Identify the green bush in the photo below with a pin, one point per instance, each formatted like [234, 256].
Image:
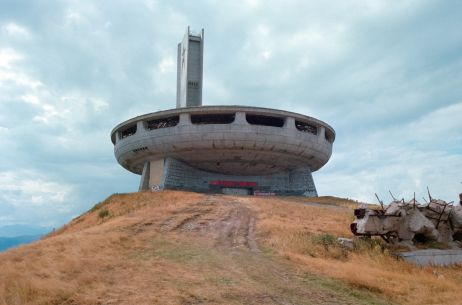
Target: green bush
[325, 240]
[374, 246]
[326, 245]
[103, 213]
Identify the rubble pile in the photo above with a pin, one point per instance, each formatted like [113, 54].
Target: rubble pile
[408, 222]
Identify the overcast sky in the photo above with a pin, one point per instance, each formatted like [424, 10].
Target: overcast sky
[387, 75]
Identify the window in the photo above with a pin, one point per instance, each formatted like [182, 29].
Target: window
[163, 123]
[222, 118]
[128, 132]
[192, 84]
[305, 127]
[329, 137]
[264, 120]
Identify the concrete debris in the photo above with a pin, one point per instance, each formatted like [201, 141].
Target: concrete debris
[346, 242]
[409, 222]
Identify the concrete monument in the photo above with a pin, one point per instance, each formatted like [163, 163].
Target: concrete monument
[225, 149]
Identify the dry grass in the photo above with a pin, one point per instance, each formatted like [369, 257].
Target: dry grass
[124, 204]
[294, 232]
[87, 257]
[328, 200]
[134, 255]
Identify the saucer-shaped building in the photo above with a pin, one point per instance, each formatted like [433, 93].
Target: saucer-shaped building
[224, 149]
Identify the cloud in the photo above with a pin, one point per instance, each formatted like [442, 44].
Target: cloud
[10, 75]
[403, 158]
[401, 171]
[29, 194]
[384, 74]
[15, 30]
[30, 188]
[167, 64]
[8, 57]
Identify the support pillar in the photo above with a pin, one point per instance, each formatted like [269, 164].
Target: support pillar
[185, 119]
[321, 134]
[140, 127]
[144, 182]
[240, 118]
[289, 126]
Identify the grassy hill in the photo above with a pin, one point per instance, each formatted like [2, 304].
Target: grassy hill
[187, 248]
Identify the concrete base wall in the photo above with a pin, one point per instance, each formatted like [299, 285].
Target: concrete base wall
[433, 257]
[178, 175]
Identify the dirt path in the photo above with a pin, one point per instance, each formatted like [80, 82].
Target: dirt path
[230, 227]
[230, 223]
[237, 229]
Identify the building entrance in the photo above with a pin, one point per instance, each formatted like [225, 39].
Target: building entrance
[236, 191]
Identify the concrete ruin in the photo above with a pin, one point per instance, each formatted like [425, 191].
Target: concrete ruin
[411, 222]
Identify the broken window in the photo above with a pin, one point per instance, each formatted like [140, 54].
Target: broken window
[163, 123]
[222, 118]
[329, 137]
[264, 120]
[128, 132]
[305, 127]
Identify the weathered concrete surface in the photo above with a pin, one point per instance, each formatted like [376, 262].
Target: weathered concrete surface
[178, 175]
[156, 174]
[398, 222]
[227, 142]
[280, 159]
[189, 70]
[433, 257]
[409, 222]
[145, 176]
[238, 148]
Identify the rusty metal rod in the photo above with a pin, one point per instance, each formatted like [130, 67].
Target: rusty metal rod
[441, 215]
[393, 197]
[380, 201]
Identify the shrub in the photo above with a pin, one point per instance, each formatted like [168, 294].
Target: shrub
[375, 246]
[103, 213]
[324, 239]
[326, 245]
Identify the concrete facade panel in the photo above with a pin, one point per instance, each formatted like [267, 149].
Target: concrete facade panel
[189, 70]
[178, 175]
[238, 149]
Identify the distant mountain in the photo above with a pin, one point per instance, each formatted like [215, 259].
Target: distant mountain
[10, 242]
[18, 234]
[20, 230]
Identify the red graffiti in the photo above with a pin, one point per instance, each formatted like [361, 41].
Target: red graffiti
[233, 183]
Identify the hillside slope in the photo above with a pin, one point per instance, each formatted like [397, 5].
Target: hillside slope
[188, 248]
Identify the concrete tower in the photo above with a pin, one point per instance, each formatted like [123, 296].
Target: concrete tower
[189, 70]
